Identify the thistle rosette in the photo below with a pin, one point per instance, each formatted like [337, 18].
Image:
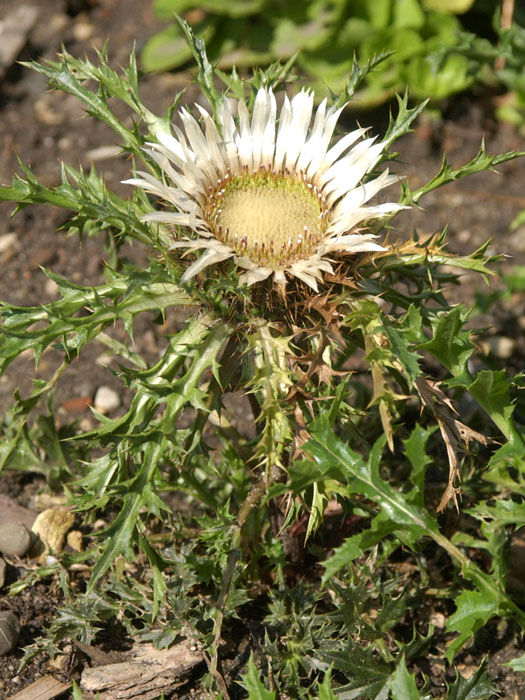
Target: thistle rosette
[276, 195]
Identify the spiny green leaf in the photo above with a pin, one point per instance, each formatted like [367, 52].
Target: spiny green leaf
[402, 510]
[517, 664]
[477, 686]
[491, 390]
[324, 688]
[353, 547]
[118, 535]
[358, 74]
[473, 610]
[481, 161]
[368, 674]
[403, 686]
[416, 452]
[364, 478]
[405, 117]
[253, 684]
[450, 344]
[205, 77]
[60, 75]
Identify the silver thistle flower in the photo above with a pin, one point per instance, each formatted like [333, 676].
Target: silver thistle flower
[276, 197]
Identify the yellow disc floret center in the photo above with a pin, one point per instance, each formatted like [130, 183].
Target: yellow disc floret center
[271, 219]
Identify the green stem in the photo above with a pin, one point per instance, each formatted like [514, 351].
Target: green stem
[249, 505]
[216, 387]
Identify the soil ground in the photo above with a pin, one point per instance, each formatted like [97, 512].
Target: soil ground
[44, 128]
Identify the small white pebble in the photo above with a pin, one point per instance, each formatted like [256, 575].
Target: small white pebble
[51, 287]
[86, 424]
[438, 620]
[104, 359]
[9, 245]
[106, 399]
[65, 143]
[464, 236]
[500, 346]
[82, 31]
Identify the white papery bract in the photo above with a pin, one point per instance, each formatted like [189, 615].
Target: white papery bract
[274, 195]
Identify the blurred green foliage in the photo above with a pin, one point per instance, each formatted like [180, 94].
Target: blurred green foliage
[426, 36]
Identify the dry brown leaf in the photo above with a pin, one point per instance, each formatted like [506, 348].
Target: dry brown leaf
[455, 434]
[301, 433]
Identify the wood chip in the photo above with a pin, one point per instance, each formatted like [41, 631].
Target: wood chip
[45, 688]
[147, 673]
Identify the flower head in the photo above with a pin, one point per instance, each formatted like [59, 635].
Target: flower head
[277, 197]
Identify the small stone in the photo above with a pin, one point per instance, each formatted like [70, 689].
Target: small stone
[46, 113]
[51, 287]
[13, 33]
[9, 632]
[500, 346]
[9, 246]
[15, 539]
[3, 567]
[106, 399]
[104, 359]
[74, 540]
[438, 620]
[51, 526]
[464, 236]
[82, 31]
[65, 143]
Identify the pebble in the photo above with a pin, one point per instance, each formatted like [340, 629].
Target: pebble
[51, 287]
[65, 143]
[438, 620]
[104, 359]
[51, 526]
[13, 33]
[9, 246]
[106, 399]
[3, 567]
[74, 540]
[83, 31]
[464, 236]
[15, 539]
[9, 632]
[500, 346]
